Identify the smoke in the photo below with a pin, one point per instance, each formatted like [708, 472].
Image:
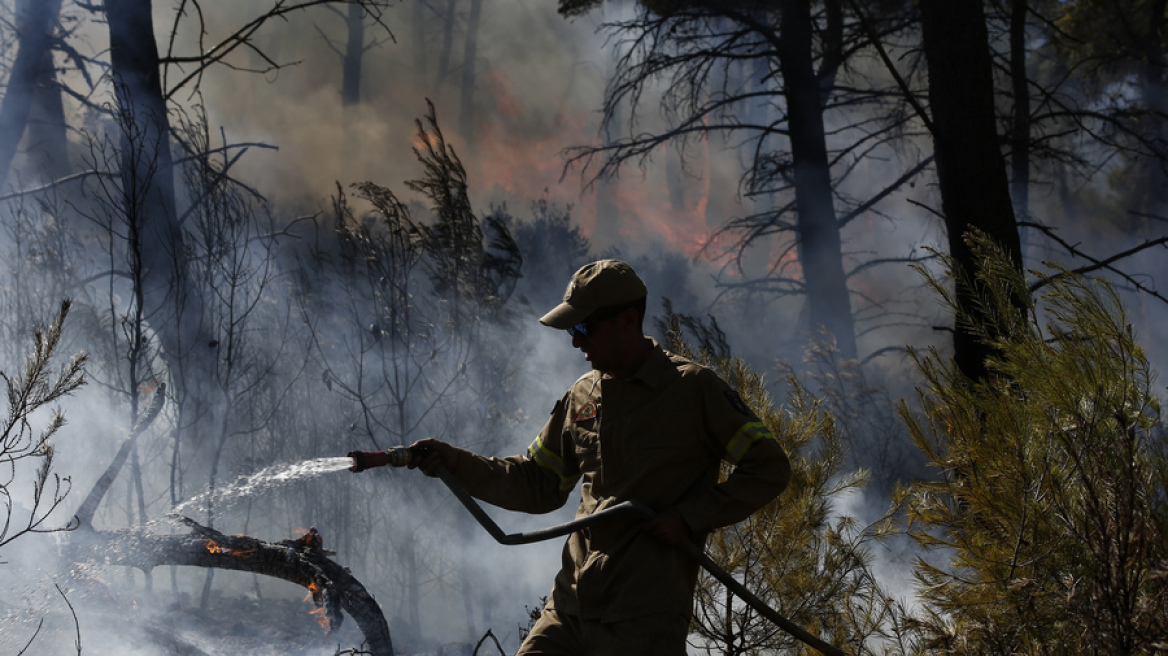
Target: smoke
[313, 336]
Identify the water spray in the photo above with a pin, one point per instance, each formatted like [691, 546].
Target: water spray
[267, 479]
[403, 456]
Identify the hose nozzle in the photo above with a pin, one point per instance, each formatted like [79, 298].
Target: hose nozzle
[397, 456]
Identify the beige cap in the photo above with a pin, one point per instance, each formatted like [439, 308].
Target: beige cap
[602, 284]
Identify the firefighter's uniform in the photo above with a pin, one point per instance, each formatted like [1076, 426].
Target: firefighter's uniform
[658, 438]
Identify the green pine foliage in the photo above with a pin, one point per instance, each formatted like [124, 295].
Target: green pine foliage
[1045, 530]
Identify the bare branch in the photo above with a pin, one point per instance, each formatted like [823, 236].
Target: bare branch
[1096, 264]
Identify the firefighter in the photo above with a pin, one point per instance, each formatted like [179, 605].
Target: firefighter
[643, 425]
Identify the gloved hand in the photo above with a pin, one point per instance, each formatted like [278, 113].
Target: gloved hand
[430, 453]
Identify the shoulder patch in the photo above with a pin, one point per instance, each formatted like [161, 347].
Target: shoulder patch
[735, 400]
[589, 411]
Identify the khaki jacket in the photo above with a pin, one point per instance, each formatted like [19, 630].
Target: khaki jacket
[657, 437]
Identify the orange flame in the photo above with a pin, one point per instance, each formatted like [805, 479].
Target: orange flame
[216, 548]
[313, 590]
[321, 618]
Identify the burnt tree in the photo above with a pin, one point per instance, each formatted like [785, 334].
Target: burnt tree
[147, 177]
[819, 234]
[355, 44]
[354, 50]
[1020, 131]
[466, 114]
[971, 169]
[302, 561]
[31, 71]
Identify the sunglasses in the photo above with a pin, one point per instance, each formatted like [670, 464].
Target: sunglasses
[587, 327]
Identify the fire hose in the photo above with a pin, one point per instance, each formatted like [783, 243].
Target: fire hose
[401, 456]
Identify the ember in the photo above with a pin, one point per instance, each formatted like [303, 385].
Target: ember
[313, 591]
[216, 548]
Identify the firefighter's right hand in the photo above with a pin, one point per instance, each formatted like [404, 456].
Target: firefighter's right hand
[433, 453]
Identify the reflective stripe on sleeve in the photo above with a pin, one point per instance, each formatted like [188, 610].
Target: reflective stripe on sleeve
[545, 458]
[744, 439]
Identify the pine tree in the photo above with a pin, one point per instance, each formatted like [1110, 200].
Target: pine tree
[1048, 517]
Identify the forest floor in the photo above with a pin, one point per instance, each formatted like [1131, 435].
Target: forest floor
[229, 626]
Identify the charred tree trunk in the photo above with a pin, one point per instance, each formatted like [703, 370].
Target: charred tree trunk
[1152, 86]
[1020, 131]
[447, 46]
[302, 561]
[138, 90]
[35, 26]
[1020, 134]
[169, 301]
[147, 180]
[418, 27]
[820, 252]
[354, 53]
[971, 169]
[209, 579]
[46, 131]
[466, 113]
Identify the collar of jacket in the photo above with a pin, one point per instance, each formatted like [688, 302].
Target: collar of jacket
[655, 372]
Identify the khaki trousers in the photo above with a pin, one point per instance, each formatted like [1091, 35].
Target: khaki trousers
[554, 634]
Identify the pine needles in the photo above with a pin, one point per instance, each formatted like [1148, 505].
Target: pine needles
[36, 387]
[1050, 497]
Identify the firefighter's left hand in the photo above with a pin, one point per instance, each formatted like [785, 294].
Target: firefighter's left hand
[669, 527]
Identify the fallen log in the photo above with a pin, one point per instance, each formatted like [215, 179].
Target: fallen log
[302, 561]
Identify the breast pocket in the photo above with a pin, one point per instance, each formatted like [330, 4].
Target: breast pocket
[587, 445]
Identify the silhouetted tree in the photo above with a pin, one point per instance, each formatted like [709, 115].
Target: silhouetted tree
[971, 169]
[356, 44]
[30, 79]
[147, 179]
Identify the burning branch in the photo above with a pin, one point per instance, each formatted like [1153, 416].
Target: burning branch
[302, 561]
